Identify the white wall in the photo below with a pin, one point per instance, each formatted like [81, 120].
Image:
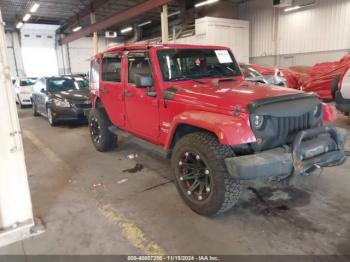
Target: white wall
[231, 33]
[321, 29]
[14, 54]
[80, 51]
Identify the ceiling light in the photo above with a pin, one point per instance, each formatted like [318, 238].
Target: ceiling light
[34, 8]
[128, 29]
[175, 13]
[292, 8]
[26, 17]
[19, 25]
[77, 28]
[145, 23]
[206, 3]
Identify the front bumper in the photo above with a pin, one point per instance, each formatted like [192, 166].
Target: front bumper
[68, 113]
[24, 99]
[312, 148]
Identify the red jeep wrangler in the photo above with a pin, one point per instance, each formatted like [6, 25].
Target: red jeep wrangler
[192, 103]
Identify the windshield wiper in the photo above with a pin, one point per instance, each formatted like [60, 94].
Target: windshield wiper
[187, 78]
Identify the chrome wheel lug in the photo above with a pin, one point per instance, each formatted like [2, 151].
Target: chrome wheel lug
[180, 163]
[200, 197]
[198, 157]
[207, 189]
[186, 154]
[181, 178]
[189, 192]
[206, 172]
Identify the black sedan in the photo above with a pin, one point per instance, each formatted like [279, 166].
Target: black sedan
[60, 98]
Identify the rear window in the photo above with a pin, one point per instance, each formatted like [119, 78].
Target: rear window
[27, 81]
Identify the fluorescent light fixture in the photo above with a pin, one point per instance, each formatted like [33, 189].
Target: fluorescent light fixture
[206, 3]
[34, 7]
[125, 30]
[175, 13]
[145, 23]
[77, 28]
[26, 17]
[19, 25]
[292, 8]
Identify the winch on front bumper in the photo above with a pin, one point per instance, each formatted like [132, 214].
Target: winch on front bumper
[311, 148]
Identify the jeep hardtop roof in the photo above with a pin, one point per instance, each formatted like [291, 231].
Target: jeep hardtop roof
[147, 45]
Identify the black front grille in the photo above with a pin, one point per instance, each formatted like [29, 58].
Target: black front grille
[290, 125]
[82, 105]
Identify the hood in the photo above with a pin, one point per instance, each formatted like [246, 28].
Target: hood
[25, 89]
[73, 95]
[227, 94]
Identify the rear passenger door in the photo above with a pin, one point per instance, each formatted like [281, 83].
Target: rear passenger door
[112, 88]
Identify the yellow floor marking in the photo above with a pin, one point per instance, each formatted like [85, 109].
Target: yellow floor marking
[131, 231]
[51, 155]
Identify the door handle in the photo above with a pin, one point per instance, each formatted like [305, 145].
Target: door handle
[104, 90]
[128, 94]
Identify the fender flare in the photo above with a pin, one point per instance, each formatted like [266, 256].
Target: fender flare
[230, 130]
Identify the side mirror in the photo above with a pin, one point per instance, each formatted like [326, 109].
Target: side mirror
[143, 81]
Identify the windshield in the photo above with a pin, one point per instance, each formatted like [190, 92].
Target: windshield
[28, 81]
[63, 84]
[249, 72]
[83, 82]
[182, 64]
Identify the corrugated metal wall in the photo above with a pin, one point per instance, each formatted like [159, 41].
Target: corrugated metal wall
[322, 27]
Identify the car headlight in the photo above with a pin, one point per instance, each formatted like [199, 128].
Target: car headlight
[258, 121]
[61, 103]
[317, 110]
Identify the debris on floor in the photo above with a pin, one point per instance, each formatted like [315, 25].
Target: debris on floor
[136, 168]
[122, 181]
[133, 156]
[96, 185]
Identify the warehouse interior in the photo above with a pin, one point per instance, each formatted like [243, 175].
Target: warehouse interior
[85, 173]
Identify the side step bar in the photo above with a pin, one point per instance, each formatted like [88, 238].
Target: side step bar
[139, 141]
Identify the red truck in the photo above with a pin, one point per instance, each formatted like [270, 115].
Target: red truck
[192, 104]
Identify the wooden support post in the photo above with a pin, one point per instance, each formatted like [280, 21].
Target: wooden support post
[164, 24]
[94, 37]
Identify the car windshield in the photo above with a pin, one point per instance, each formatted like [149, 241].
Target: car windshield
[250, 72]
[83, 82]
[28, 81]
[62, 84]
[183, 64]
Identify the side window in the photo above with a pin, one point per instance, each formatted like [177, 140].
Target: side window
[40, 84]
[138, 64]
[94, 75]
[111, 69]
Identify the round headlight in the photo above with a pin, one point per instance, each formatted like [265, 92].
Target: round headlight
[317, 110]
[258, 121]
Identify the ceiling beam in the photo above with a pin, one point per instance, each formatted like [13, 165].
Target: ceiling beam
[93, 6]
[115, 19]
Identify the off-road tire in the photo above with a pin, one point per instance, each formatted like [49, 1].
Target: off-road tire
[225, 189]
[107, 140]
[34, 110]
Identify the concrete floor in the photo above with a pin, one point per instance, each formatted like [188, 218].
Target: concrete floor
[90, 206]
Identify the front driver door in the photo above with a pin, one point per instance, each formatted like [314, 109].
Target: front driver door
[142, 112]
[112, 88]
